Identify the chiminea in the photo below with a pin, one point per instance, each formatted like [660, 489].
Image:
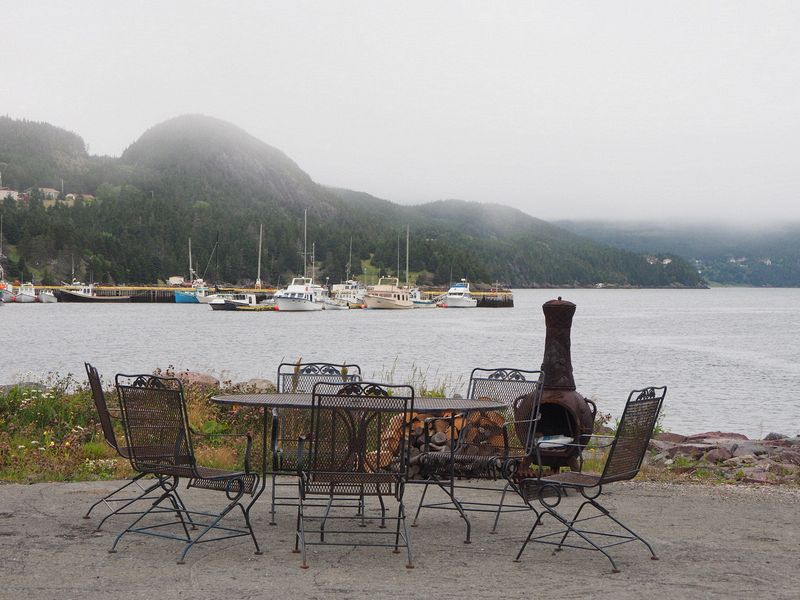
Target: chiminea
[563, 410]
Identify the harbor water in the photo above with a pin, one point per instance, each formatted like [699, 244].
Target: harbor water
[730, 356]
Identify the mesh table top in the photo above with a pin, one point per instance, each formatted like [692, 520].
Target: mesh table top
[421, 403]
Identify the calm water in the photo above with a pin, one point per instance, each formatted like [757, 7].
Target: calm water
[731, 357]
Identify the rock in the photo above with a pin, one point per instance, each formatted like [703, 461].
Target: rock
[748, 447]
[776, 436]
[717, 455]
[674, 438]
[198, 379]
[715, 435]
[660, 445]
[690, 450]
[260, 386]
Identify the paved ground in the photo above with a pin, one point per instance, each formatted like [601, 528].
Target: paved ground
[713, 542]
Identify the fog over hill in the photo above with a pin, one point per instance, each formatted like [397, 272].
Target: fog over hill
[199, 177]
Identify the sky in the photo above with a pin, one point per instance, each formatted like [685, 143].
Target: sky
[664, 110]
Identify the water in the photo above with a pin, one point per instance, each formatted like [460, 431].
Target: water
[730, 357]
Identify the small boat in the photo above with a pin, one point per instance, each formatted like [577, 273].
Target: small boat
[301, 295]
[351, 291]
[47, 297]
[86, 293]
[459, 296]
[258, 308]
[388, 295]
[419, 301]
[232, 301]
[25, 294]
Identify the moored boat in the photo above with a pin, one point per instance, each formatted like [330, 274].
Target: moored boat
[86, 293]
[388, 294]
[459, 296]
[301, 295]
[47, 297]
[419, 301]
[232, 301]
[25, 294]
[351, 291]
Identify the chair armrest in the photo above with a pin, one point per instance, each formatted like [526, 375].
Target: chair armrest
[274, 434]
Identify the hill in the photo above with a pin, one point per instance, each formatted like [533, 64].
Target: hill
[199, 177]
[766, 255]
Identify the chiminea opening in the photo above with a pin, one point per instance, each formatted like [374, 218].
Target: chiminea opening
[555, 420]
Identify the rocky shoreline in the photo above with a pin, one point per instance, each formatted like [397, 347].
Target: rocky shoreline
[728, 456]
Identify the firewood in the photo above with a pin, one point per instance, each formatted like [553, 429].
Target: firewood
[441, 425]
[439, 438]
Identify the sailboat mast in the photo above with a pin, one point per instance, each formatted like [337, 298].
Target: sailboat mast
[397, 272]
[407, 235]
[260, 238]
[313, 251]
[191, 271]
[305, 242]
[349, 260]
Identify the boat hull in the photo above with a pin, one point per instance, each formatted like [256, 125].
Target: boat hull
[186, 297]
[379, 302]
[460, 302]
[296, 305]
[47, 298]
[68, 296]
[24, 298]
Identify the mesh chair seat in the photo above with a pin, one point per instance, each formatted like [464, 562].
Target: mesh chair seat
[461, 464]
[220, 479]
[531, 487]
[357, 484]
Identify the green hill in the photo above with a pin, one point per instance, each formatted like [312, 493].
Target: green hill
[199, 177]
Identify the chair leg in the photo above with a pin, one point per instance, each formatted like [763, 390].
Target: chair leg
[325, 519]
[605, 511]
[130, 527]
[208, 528]
[246, 513]
[499, 508]
[451, 494]
[383, 512]
[536, 523]
[272, 504]
[402, 513]
[141, 496]
[419, 507]
[104, 499]
[297, 533]
[301, 534]
[572, 524]
[583, 536]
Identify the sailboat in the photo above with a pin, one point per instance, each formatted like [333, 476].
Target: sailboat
[199, 292]
[388, 294]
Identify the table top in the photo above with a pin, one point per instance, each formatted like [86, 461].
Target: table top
[421, 403]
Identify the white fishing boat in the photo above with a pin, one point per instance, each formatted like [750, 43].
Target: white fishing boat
[388, 295]
[301, 295]
[419, 301]
[459, 296]
[25, 294]
[351, 292]
[47, 297]
[232, 301]
[81, 292]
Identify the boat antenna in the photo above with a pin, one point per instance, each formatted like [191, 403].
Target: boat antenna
[349, 261]
[407, 234]
[260, 237]
[210, 256]
[191, 270]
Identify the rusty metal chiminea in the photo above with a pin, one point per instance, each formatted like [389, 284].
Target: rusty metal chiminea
[563, 410]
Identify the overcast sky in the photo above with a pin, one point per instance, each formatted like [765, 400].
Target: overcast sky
[686, 110]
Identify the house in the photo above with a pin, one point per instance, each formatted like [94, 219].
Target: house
[5, 192]
[47, 193]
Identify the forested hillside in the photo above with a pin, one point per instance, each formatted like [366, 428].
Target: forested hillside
[203, 178]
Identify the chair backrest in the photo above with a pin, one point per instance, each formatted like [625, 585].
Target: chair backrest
[299, 378]
[504, 385]
[633, 434]
[156, 424]
[359, 428]
[100, 404]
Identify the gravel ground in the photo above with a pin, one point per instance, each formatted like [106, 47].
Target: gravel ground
[713, 541]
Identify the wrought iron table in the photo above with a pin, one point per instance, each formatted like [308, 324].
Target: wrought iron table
[422, 404]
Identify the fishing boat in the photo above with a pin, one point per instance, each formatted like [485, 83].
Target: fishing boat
[232, 301]
[301, 295]
[47, 297]
[388, 294]
[25, 294]
[459, 296]
[419, 301]
[81, 292]
[351, 292]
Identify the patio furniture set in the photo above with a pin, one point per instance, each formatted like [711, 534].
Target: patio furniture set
[333, 445]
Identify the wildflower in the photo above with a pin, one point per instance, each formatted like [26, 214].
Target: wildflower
[41, 448]
[34, 443]
[66, 444]
[20, 447]
[52, 443]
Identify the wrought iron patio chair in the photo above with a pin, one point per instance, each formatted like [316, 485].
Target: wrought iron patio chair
[288, 425]
[626, 451]
[358, 448]
[160, 443]
[487, 445]
[116, 505]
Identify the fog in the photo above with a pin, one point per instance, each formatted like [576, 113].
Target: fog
[634, 110]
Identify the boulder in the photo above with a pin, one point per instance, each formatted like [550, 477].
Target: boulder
[717, 455]
[674, 438]
[198, 379]
[691, 450]
[260, 386]
[716, 435]
[776, 436]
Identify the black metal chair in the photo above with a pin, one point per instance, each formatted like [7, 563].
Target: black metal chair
[626, 451]
[486, 448]
[107, 424]
[160, 444]
[289, 425]
[358, 448]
